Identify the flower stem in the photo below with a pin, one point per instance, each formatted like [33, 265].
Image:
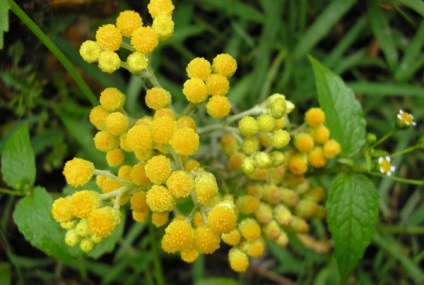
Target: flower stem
[11, 192]
[54, 50]
[157, 271]
[405, 151]
[398, 179]
[384, 138]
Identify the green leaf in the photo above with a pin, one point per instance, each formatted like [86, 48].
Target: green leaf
[5, 274]
[344, 116]
[386, 89]
[34, 220]
[217, 281]
[18, 161]
[352, 215]
[416, 5]
[4, 20]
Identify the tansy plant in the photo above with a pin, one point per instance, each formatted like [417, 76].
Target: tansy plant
[256, 189]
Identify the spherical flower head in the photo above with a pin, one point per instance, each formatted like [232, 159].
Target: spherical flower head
[109, 61]
[98, 117]
[185, 141]
[138, 201]
[180, 235]
[321, 134]
[199, 68]
[316, 157]
[279, 108]
[232, 238]
[235, 161]
[247, 204]
[144, 40]
[87, 245]
[314, 117]
[72, 237]
[180, 183]
[303, 142]
[189, 255]
[115, 157]
[218, 107]
[306, 209]
[249, 229]
[277, 158]
[224, 64]
[109, 37]
[158, 169]
[280, 139]
[159, 219]
[405, 120]
[138, 174]
[137, 61]
[264, 214]
[331, 148]
[217, 85]
[163, 26]
[266, 123]
[61, 210]
[105, 141]
[222, 219]
[248, 165]
[298, 165]
[250, 145]
[103, 221]
[159, 199]
[157, 98]
[239, 261]
[128, 21]
[83, 202]
[163, 129]
[205, 187]
[263, 159]
[139, 138]
[117, 123]
[160, 7]
[229, 144]
[112, 99]
[125, 172]
[140, 217]
[385, 166]
[90, 51]
[165, 112]
[82, 228]
[187, 121]
[255, 248]
[299, 225]
[248, 126]
[78, 171]
[282, 215]
[206, 241]
[195, 90]
[272, 230]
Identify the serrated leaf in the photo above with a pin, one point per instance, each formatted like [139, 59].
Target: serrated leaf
[18, 161]
[352, 207]
[4, 20]
[34, 220]
[344, 116]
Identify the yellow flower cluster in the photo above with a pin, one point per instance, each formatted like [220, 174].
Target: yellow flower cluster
[210, 82]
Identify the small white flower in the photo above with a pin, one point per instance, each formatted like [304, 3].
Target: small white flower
[406, 118]
[385, 166]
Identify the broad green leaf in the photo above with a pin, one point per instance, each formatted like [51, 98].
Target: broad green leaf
[4, 20]
[217, 281]
[18, 161]
[34, 220]
[5, 274]
[344, 116]
[352, 215]
[381, 29]
[109, 243]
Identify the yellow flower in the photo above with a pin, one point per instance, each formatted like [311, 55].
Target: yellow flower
[180, 235]
[125, 172]
[162, 129]
[186, 121]
[61, 210]
[217, 84]
[249, 229]
[239, 261]
[105, 141]
[71, 237]
[235, 161]
[254, 248]
[98, 117]
[180, 183]
[250, 145]
[78, 171]
[266, 123]
[158, 169]
[160, 7]
[144, 40]
[248, 126]
[103, 221]
[117, 123]
[232, 238]
[90, 51]
[224, 64]
[163, 26]
[303, 142]
[140, 217]
[83, 202]
[331, 148]
[321, 134]
[159, 199]
[185, 141]
[109, 61]
[222, 219]
[282, 240]
[264, 214]
[157, 98]
[139, 138]
[199, 67]
[87, 245]
[195, 90]
[205, 240]
[82, 228]
[405, 119]
[138, 174]
[218, 107]
[247, 204]
[314, 117]
[109, 37]
[128, 21]
[229, 144]
[165, 112]
[115, 157]
[160, 218]
[316, 157]
[299, 225]
[280, 139]
[138, 201]
[189, 255]
[112, 99]
[272, 230]
[205, 187]
[385, 166]
[298, 165]
[137, 61]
